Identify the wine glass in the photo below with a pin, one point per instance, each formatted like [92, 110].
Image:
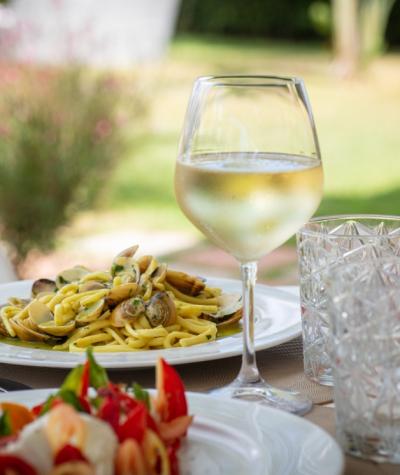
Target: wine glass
[249, 175]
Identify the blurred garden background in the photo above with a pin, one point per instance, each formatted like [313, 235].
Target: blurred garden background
[88, 142]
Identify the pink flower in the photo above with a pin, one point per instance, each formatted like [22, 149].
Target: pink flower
[102, 129]
[4, 131]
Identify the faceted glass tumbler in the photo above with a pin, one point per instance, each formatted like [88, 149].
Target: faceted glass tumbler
[320, 244]
[364, 308]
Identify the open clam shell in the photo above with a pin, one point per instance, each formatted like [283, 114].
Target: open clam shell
[125, 266]
[43, 285]
[91, 313]
[120, 293]
[57, 330]
[70, 275]
[229, 312]
[127, 311]
[25, 333]
[185, 283]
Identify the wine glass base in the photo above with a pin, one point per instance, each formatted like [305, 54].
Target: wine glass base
[265, 394]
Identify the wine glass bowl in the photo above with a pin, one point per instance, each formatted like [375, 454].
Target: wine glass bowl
[249, 175]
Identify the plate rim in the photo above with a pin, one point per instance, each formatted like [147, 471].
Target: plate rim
[290, 293]
[264, 415]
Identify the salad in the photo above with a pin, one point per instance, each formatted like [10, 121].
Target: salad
[92, 426]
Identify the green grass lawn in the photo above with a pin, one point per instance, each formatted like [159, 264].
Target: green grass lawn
[357, 120]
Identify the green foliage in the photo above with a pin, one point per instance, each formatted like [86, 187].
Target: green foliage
[321, 17]
[269, 18]
[61, 133]
[392, 33]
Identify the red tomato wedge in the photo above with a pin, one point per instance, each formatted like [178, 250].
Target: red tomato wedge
[173, 459]
[69, 453]
[15, 465]
[85, 381]
[135, 424]
[171, 400]
[109, 412]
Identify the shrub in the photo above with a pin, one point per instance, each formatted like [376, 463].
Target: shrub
[284, 19]
[61, 133]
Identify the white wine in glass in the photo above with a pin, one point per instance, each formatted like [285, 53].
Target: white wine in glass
[248, 176]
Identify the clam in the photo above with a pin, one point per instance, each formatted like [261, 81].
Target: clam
[91, 313]
[185, 283]
[121, 292]
[57, 330]
[39, 313]
[43, 285]
[147, 265]
[127, 311]
[160, 310]
[229, 319]
[3, 329]
[125, 266]
[159, 275]
[129, 252]
[25, 333]
[144, 262]
[92, 285]
[230, 310]
[70, 275]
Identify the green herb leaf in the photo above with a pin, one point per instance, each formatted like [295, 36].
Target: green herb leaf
[5, 424]
[141, 394]
[70, 398]
[73, 380]
[98, 375]
[115, 269]
[47, 405]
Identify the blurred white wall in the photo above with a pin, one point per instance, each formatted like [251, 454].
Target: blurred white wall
[106, 33]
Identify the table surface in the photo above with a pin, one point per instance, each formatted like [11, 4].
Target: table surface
[282, 366]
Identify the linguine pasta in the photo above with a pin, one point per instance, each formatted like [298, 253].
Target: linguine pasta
[139, 304]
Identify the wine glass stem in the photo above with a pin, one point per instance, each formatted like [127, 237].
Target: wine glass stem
[249, 371]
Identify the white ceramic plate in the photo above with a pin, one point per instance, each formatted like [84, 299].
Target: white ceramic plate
[237, 438]
[277, 314]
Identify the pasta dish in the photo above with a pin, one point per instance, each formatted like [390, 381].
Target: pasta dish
[139, 304]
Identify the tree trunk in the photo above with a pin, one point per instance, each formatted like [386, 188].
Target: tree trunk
[374, 16]
[346, 36]
[358, 32]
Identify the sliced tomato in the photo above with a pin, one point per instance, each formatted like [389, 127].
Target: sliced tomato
[85, 381]
[125, 401]
[175, 429]
[69, 453]
[109, 412]
[85, 405]
[171, 400]
[36, 410]
[135, 424]
[15, 465]
[173, 459]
